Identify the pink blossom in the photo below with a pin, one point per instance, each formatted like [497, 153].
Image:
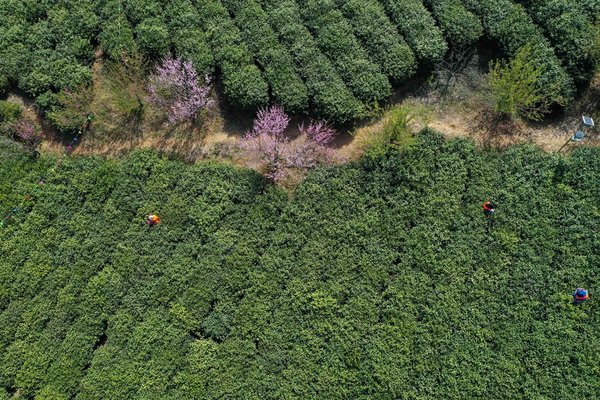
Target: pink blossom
[175, 86]
[25, 130]
[280, 155]
[272, 120]
[318, 131]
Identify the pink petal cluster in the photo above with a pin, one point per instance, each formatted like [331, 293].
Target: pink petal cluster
[272, 120]
[26, 131]
[175, 86]
[318, 131]
[279, 154]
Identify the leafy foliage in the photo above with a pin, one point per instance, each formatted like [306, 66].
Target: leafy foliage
[72, 111]
[571, 32]
[461, 27]
[376, 279]
[379, 38]
[417, 26]
[9, 111]
[515, 91]
[513, 28]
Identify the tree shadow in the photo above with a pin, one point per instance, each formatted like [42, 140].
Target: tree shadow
[495, 130]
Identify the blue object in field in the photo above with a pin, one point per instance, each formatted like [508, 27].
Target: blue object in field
[578, 136]
[588, 122]
[581, 292]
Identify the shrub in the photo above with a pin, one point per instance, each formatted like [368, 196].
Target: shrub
[380, 38]
[116, 38]
[9, 111]
[286, 85]
[188, 39]
[336, 39]
[570, 32]
[243, 83]
[73, 110]
[515, 89]
[244, 290]
[418, 27]
[3, 84]
[510, 25]
[329, 95]
[461, 27]
[152, 37]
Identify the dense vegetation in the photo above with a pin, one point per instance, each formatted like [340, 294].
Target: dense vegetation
[379, 279]
[337, 59]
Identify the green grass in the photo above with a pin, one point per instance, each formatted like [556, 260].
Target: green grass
[378, 280]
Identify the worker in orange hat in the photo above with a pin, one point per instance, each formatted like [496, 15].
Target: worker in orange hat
[152, 220]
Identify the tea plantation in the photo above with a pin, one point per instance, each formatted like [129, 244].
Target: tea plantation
[332, 58]
[380, 279]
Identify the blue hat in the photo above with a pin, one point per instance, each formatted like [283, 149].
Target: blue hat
[581, 292]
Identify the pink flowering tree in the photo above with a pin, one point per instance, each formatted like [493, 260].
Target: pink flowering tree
[280, 155]
[28, 133]
[267, 142]
[176, 87]
[273, 121]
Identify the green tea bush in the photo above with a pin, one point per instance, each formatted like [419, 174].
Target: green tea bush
[379, 278]
[335, 37]
[460, 26]
[287, 88]
[512, 27]
[242, 80]
[9, 111]
[330, 97]
[379, 38]
[418, 27]
[333, 59]
[571, 32]
[187, 38]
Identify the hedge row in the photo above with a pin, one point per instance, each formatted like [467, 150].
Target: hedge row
[460, 26]
[287, 88]
[335, 37]
[570, 31]
[512, 27]
[187, 37]
[243, 83]
[380, 38]
[418, 27]
[329, 96]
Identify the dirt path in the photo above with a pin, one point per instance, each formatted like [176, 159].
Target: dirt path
[217, 138]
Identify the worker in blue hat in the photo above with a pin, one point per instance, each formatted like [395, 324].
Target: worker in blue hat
[580, 295]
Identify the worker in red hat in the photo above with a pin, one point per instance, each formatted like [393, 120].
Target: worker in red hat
[489, 208]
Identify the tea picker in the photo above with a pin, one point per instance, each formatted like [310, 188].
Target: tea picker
[580, 295]
[489, 208]
[152, 220]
